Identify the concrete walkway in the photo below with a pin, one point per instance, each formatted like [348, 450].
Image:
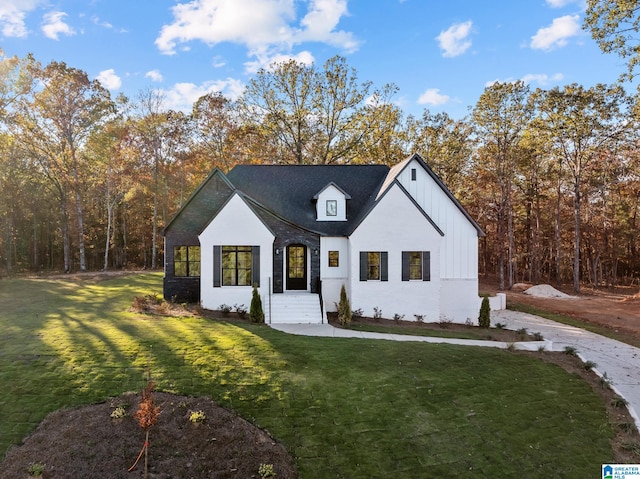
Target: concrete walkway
[619, 361]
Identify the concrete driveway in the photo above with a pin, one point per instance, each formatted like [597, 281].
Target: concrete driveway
[619, 361]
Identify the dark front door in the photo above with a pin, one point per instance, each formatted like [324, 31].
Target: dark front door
[297, 267]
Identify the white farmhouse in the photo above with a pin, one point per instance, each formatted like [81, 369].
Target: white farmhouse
[397, 239]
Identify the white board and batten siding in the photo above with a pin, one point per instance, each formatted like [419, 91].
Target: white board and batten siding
[459, 246]
[235, 225]
[395, 225]
[459, 255]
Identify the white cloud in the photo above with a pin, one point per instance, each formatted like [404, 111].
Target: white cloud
[54, 25]
[155, 75]
[182, 96]
[563, 3]
[109, 79]
[542, 79]
[264, 59]
[433, 97]
[218, 61]
[455, 41]
[12, 16]
[258, 24]
[556, 35]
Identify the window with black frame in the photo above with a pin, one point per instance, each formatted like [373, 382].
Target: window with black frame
[186, 261]
[236, 265]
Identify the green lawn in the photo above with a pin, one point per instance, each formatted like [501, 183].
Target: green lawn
[345, 408]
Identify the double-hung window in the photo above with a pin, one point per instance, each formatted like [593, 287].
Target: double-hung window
[186, 261]
[416, 266]
[374, 266]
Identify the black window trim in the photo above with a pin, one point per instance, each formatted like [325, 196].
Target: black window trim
[187, 261]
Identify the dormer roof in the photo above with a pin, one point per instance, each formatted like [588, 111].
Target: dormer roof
[347, 196]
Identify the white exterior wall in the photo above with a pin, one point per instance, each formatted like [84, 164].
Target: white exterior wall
[331, 193]
[396, 225]
[460, 300]
[333, 278]
[459, 254]
[235, 225]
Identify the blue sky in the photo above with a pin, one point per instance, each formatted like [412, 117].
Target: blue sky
[440, 53]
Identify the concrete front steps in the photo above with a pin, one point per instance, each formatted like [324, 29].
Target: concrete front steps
[296, 308]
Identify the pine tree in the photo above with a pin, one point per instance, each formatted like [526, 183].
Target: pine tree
[484, 319]
[344, 308]
[255, 312]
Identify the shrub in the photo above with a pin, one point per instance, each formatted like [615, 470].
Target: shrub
[241, 309]
[266, 470]
[377, 313]
[444, 322]
[398, 317]
[357, 313]
[570, 351]
[119, 412]
[344, 308]
[619, 402]
[197, 416]
[419, 317]
[224, 308]
[36, 469]
[256, 314]
[484, 318]
[522, 333]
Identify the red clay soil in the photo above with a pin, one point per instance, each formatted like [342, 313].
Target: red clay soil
[617, 309]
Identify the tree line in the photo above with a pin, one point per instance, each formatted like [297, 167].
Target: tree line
[87, 181]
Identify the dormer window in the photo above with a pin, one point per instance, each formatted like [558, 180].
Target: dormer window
[331, 203]
[332, 207]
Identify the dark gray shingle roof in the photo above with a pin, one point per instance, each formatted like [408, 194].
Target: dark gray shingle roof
[288, 191]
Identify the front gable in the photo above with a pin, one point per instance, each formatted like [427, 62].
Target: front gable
[205, 201]
[394, 228]
[235, 225]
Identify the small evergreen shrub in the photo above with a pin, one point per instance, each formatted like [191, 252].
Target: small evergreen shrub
[256, 314]
[484, 319]
[344, 308]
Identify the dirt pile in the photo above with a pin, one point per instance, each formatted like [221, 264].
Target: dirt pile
[547, 291]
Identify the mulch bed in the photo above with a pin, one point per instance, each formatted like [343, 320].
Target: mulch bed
[87, 442]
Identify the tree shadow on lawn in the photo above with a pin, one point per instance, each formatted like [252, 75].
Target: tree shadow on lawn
[342, 407]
